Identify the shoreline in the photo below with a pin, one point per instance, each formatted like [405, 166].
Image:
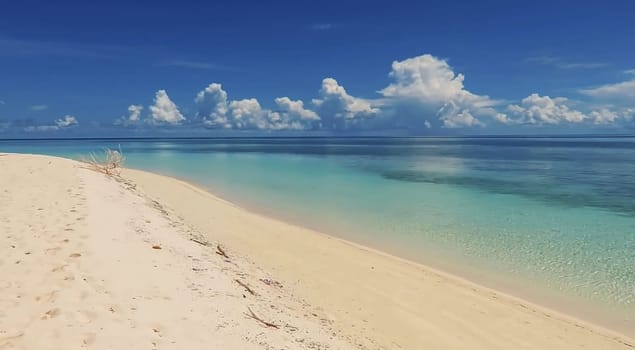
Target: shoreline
[577, 309]
[123, 247]
[462, 282]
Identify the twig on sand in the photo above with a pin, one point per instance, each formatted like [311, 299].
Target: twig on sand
[244, 285]
[270, 282]
[251, 314]
[205, 244]
[221, 252]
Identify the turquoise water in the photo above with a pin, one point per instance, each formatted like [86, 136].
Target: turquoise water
[552, 218]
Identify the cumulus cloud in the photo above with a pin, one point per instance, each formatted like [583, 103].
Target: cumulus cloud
[612, 116]
[539, 110]
[62, 123]
[216, 111]
[212, 106]
[133, 117]
[164, 111]
[452, 116]
[246, 114]
[339, 109]
[604, 116]
[292, 114]
[622, 90]
[424, 92]
[426, 84]
[134, 112]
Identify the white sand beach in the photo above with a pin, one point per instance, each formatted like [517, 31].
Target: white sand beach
[97, 262]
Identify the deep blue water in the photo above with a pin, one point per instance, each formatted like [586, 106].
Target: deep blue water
[558, 213]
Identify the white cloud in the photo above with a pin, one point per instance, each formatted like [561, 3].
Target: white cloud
[65, 122]
[564, 64]
[604, 116]
[291, 114]
[164, 111]
[247, 114]
[452, 116]
[62, 123]
[427, 84]
[39, 108]
[133, 117]
[612, 116]
[2, 102]
[212, 106]
[339, 109]
[295, 109]
[623, 90]
[216, 111]
[425, 78]
[538, 110]
[544, 110]
[504, 119]
[134, 112]
[421, 88]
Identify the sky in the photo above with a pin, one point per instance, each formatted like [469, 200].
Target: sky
[211, 68]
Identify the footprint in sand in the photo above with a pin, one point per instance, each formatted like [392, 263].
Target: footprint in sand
[46, 297]
[89, 338]
[58, 268]
[52, 251]
[51, 314]
[75, 255]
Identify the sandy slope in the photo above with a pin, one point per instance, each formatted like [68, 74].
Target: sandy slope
[78, 270]
[373, 299]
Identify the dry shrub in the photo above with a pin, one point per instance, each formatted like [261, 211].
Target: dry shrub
[110, 163]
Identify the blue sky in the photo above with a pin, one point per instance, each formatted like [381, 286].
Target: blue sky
[201, 68]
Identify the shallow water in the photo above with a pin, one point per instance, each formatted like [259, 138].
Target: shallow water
[554, 216]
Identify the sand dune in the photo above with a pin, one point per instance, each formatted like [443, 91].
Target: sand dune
[88, 261]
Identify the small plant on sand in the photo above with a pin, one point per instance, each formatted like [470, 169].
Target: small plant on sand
[109, 163]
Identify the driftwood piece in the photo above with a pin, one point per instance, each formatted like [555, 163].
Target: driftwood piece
[244, 285]
[205, 244]
[221, 252]
[251, 314]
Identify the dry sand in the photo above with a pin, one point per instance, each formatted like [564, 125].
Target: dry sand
[79, 270]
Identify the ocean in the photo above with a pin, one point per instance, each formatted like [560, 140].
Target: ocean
[551, 219]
